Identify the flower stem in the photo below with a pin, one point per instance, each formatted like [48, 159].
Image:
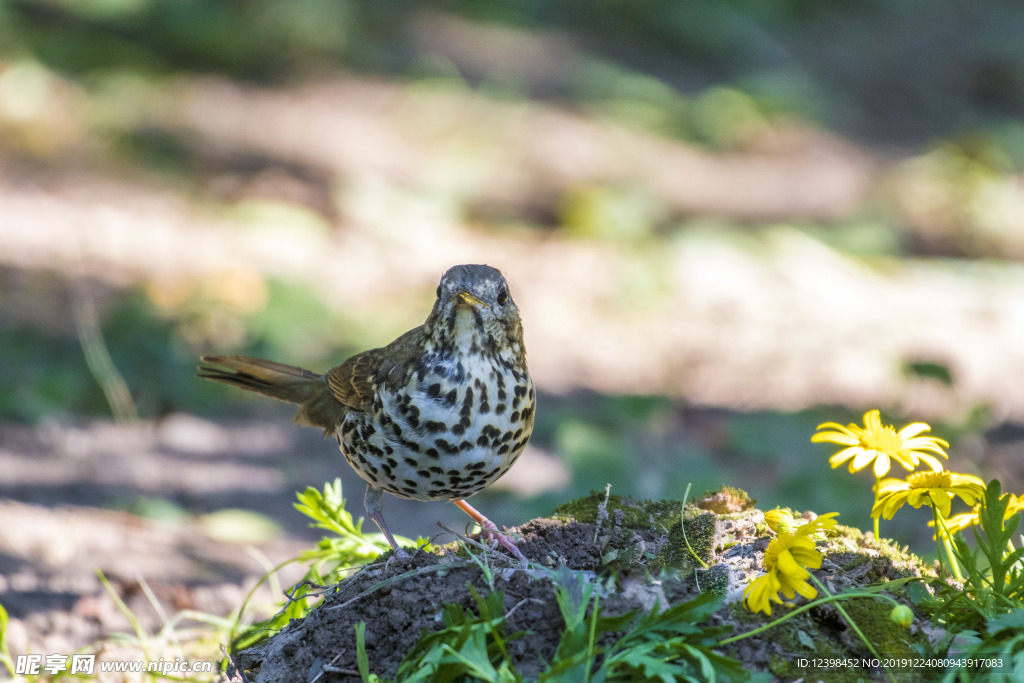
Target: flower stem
[878, 485]
[853, 625]
[953, 564]
[804, 608]
[821, 601]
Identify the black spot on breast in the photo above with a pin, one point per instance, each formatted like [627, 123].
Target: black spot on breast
[485, 407]
[436, 470]
[458, 430]
[434, 390]
[409, 490]
[476, 466]
[519, 390]
[410, 482]
[465, 446]
[454, 473]
[432, 452]
[410, 446]
[502, 394]
[514, 416]
[499, 409]
[527, 413]
[411, 462]
[506, 437]
[434, 426]
[425, 474]
[451, 397]
[392, 462]
[490, 431]
[482, 441]
[446, 446]
[503, 450]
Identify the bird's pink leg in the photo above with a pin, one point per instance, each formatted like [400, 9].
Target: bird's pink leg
[490, 529]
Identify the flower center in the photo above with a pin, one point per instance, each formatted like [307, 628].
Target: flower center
[884, 439]
[771, 554]
[930, 480]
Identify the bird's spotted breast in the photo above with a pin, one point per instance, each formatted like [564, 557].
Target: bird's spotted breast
[456, 425]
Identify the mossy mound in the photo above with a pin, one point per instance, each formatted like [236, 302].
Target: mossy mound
[640, 556]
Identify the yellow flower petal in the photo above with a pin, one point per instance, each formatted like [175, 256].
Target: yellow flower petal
[912, 430]
[805, 589]
[760, 592]
[844, 455]
[881, 465]
[835, 437]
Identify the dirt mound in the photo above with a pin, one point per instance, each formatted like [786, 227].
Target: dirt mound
[400, 599]
[634, 552]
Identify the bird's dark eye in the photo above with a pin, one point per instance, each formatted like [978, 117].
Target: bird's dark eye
[438, 292]
[502, 298]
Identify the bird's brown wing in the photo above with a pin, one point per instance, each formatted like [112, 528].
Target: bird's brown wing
[355, 381]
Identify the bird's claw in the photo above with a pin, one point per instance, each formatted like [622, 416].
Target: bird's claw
[494, 538]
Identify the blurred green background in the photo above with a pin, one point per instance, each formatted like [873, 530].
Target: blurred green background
[724, 221]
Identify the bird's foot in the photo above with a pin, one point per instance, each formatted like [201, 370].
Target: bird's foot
[490, 530]
[493, 537]
[400, 555]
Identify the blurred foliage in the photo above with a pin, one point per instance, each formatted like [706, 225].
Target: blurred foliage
[736, 61]
[155, 337]
[722, 75]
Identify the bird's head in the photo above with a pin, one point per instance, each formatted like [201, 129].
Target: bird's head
[474, 313]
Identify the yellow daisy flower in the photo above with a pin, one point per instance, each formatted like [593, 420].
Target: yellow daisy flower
[881, 444]
[965, 519]
[934, 488]
[781, 521]
[785, 561]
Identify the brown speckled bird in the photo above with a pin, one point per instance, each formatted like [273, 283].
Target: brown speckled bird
[438, 414]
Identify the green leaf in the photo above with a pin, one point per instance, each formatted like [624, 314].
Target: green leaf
[362, 660]
[805, 640]
[1011, 620]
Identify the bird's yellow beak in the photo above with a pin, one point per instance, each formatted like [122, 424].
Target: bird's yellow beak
[470, 299]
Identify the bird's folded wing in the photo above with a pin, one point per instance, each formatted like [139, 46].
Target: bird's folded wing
[355, 381]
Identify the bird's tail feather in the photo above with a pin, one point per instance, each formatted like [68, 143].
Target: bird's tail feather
[276, 380]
